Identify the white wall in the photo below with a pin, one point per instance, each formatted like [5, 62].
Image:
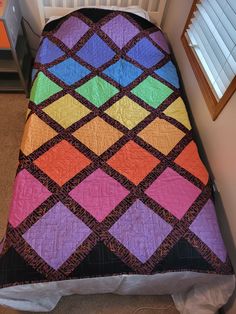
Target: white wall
[31, 13]
[218, 137]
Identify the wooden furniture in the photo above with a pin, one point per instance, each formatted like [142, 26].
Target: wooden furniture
[15, 56]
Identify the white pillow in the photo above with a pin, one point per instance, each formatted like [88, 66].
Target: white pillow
[132, 9]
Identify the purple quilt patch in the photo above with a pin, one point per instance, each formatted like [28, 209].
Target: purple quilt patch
[159, 38]
[48, 52]
[206, 227]
[145, 53]
[126, 30]
[57, 235]
[141, 231]
[96, 52]
[77, 29]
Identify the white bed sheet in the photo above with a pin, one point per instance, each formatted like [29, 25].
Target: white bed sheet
[132, 9]
[192, 292]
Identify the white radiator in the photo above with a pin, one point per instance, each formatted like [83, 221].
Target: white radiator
[49, 8]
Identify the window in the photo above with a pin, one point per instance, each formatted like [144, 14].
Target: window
[209, 39]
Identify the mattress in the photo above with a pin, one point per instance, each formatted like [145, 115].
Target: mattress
[110, 193]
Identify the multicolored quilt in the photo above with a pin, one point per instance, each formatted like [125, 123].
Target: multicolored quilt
[109, 178]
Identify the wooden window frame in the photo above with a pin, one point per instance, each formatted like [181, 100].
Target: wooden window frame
[215, 106]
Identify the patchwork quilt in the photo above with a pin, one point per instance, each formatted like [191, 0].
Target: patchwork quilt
[109, 178]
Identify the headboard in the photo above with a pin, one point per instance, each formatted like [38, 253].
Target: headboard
[49, 8]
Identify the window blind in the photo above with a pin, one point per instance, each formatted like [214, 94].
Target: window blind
[212, 35]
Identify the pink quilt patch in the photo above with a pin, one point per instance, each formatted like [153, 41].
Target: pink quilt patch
[99, 194]
[29, 193]
[173, 192]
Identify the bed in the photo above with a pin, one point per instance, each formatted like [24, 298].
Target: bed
[110, 194]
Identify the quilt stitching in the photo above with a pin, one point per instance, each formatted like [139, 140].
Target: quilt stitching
[178, 228]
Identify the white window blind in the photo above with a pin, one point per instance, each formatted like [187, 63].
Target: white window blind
[212, 36]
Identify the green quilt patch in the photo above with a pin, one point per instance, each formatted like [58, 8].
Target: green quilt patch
[97, 91]
[43, 88]
[152, 91]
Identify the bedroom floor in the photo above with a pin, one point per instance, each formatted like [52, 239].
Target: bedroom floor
[12, 116]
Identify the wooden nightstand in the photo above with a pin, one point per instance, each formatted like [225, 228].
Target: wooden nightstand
[15, 56]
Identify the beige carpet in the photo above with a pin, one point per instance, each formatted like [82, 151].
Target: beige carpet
[12, 116]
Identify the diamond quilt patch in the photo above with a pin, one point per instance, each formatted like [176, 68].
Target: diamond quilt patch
[127, 112]
[134, 162]
[96, 52]
[99, 194]
[36, 133]
[145, 53]
[64, 236]
[77, 30]
[134, 230]
[98, 135]
[29, 193]
[66, 110]
[48, 52]
[126, 30]
[123, 72]
[69, 71]
[97, 91]
[152, 91]
[205, 226]
[162, 135]
[43, 88]
[173, 192]
[62, 162]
